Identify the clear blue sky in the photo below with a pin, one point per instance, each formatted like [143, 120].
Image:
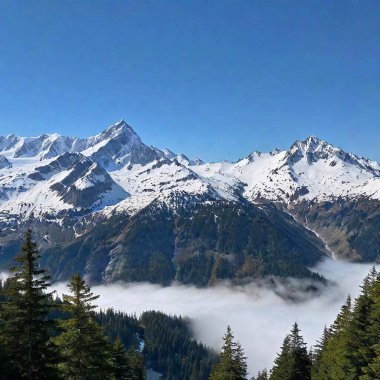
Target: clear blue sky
[213, 79]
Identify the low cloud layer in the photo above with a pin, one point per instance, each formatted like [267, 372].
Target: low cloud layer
[260, 314]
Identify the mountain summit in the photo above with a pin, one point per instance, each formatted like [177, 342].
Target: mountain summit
[67, 187]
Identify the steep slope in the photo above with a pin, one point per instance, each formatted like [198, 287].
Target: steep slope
[70, 183]
[199, 244]
[116, 146]
[325, 188]
[41, 147]
[110, 167]
[350, 227]
[114, 208]
[4, 163]
[119, 146]
[310, 170]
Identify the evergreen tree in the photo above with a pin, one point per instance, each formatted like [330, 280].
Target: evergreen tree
[293, 363]
[283, 364]
[262, 375]
[351, 350]
[372, 369]
[128, 365]
[232, 365]
[85, 350]
[120, 360]
[26, 329]
[171, 350]
[136, 369]
[302, 361]
[318, 371]
[359, 343]
[333, 362]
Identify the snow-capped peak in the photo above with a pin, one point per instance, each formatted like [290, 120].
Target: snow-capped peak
[114, 131]
[117, 163]
[119, 145]
[309, 169]
[310, 145]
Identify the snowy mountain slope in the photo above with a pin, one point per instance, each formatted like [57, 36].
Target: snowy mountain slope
[118, 146]
[41, 147]
[4, 163]
[331, 192]
[71, 181]
[310, 170]
[111, 166]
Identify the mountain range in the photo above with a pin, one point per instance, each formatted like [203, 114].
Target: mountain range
[112, 208]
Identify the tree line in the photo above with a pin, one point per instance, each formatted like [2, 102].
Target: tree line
[42, 337]
[34, 345]
[348, 350]
[45, 337]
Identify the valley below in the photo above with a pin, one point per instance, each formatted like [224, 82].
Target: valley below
[260, 313]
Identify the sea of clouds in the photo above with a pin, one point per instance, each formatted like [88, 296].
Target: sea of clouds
[260, 313]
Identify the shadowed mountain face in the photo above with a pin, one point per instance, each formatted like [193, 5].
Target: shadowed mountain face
[4, 163]
[112, 208]
[198, 244]
[351, 228]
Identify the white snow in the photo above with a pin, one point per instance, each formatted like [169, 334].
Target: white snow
[271, 176]
[310, 169]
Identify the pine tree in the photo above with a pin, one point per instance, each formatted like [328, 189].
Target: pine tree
[359, 343]
[372, 369]
[128, 365]
[120, 360]
[26, 329]
[85, 351]
[302, 361]
[293, 363]
[232, 365]
[283, 364]
[333, 362]
[318, 371]
[262, 375]
[136, 369]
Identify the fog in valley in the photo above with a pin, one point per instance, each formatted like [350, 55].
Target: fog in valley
[260, 314]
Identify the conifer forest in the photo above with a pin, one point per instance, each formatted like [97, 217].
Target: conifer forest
[47, 337]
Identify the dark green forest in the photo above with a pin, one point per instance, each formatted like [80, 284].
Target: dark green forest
[191, 246]
[45, 337]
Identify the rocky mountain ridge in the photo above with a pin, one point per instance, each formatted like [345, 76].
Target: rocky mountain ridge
[65, 187]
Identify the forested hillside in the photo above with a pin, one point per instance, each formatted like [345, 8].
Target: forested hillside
[42, 337]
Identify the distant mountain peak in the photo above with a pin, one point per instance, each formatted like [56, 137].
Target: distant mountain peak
[314, 149]
[118, 129]
[313, 139]
[254, 155]
[310, 144]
